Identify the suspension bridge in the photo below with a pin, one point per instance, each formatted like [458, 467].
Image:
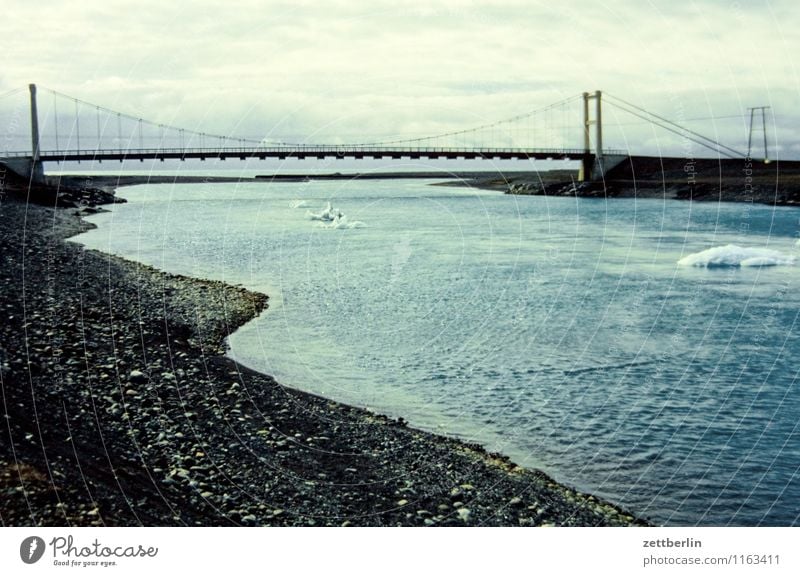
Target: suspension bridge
[570, 129]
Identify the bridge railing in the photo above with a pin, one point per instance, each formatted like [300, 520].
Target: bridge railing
[331, 150]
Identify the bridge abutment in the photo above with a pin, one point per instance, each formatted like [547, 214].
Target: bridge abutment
[602, 165]
[26, 167]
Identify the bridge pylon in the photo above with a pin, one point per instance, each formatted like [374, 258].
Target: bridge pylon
[36, 169]
[592, 164]
[30, 167]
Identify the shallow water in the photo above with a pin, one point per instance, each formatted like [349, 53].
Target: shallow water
[559, 331]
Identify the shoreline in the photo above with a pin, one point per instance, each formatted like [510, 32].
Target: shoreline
[109, 183]
[699, 180]
[141, 418]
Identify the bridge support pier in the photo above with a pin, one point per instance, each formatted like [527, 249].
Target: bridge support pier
[587, 168]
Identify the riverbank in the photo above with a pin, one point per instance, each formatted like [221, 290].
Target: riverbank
[122, 409]
[700, 180]
[108, 183]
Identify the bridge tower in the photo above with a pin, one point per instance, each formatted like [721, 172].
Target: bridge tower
[592, 165]
[37, 168]
[30, 167]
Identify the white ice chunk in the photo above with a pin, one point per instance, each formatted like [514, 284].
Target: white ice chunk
[735, 256]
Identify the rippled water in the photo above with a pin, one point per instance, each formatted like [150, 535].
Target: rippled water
[559, 331]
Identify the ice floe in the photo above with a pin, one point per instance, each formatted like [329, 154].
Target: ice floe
[735, 256]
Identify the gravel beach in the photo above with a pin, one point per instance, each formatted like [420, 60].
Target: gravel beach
[121, 409]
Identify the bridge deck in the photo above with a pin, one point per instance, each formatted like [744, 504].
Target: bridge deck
[319, 152]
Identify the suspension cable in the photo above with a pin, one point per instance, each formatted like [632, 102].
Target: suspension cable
[736, 153]
[55, 114]
[509, 120]
[11, 92]
[545, 114]
[225, 140]
[78, 126]
[97, 144]
[714, 146]
[121, 115]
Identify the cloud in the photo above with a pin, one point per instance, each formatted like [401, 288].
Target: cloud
[400, 68]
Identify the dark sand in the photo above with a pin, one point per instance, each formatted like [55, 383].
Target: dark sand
[120, 408]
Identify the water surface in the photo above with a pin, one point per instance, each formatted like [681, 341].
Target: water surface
[559, 331]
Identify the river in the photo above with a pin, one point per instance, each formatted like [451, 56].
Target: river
[562, 332]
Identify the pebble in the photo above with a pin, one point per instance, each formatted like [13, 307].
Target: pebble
[185, 429]
[179, 472]
[137, 377]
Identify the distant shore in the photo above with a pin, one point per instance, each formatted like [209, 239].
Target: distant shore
[122, 409]
[701, 180]
[111, 182]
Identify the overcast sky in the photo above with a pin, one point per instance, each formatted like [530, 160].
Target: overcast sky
[341, 69]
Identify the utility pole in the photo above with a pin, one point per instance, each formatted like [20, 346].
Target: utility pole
[763, 111]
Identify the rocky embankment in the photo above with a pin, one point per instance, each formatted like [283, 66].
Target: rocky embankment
[706, 180]
[120, 408]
